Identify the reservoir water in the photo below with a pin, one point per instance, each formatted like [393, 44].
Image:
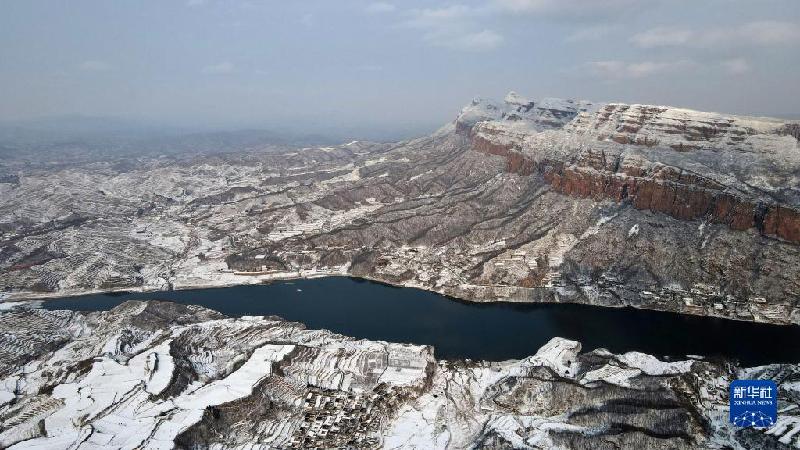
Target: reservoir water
[489, 331]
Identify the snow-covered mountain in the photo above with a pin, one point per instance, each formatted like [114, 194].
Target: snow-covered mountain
[523, 200]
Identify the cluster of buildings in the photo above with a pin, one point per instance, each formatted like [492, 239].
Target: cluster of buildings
[703, 298]
[340, 419]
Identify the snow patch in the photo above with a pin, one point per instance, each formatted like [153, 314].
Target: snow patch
[558, 354]
[653, 366]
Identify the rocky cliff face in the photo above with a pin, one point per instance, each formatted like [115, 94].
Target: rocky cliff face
[161, 375]
[644, 170]
[553, 200]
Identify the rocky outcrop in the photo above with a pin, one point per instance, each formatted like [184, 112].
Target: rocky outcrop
[516, 162]
[676, 128]
[611, 173]
[156, 375]
[683, 196]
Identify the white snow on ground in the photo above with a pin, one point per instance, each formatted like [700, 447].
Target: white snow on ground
[787, 428]
[513, 428]
[405, 369]
[160, 366]
[237, 385]
[6, 395]
[653, 366]
[633, 364]
[113, 398]
[558, 354]
[445, 404]
[611, 374]
[454, 412]
[517, 112]
[7, 306]
[114, 404]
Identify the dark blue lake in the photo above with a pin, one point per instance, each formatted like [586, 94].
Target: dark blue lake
[494, 331]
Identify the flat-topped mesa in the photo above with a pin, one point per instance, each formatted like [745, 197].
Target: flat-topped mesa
[682, 129]
[739, 171]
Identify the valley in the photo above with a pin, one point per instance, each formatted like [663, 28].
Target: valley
[525, 201]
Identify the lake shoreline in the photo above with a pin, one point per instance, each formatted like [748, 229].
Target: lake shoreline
[25, 297]
[463, 329]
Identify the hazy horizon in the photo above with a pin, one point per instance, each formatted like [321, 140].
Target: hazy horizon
[374, 67]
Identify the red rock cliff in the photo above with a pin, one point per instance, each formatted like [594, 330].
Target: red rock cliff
[665, 189]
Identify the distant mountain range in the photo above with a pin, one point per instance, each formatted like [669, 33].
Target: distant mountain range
[84, 138]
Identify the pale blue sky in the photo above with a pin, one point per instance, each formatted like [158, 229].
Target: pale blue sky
[240, 63]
